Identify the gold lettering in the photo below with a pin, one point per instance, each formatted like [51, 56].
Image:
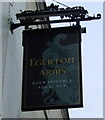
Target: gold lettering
[61, 61]
[50, 62]
[55, 72]
[56, 61]
[52, 72]
[48, 72]
[43, 62]
[42, 73]
[38, 62]
[63, 71]
[67, 60]
[32, 62]
[72, 60]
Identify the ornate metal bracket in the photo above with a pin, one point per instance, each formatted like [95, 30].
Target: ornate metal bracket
[74, 14]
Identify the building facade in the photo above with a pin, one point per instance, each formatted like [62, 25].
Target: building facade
[12, 61]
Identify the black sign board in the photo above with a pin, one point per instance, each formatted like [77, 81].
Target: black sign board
[52, 75]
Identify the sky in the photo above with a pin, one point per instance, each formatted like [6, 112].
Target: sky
[92, 61]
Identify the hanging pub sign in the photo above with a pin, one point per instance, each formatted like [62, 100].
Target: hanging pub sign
[52, 75]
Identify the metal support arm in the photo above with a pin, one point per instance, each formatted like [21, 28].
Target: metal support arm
[16, 25]
[74, 14]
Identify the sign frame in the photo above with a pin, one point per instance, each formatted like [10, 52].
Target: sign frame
[26, 40]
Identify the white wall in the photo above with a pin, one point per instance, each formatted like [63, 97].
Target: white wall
[12, 65]
[12, 57]
[12, 62]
